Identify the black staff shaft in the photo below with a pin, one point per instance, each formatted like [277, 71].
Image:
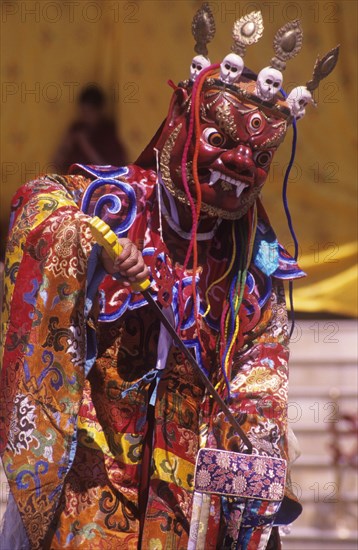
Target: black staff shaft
[212, 391]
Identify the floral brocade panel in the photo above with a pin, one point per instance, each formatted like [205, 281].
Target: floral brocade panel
[240, 475]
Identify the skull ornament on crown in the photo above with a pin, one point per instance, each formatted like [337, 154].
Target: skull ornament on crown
[231, 68]
[224, 126]
[269, 81]
[199, 62]
[298, 99]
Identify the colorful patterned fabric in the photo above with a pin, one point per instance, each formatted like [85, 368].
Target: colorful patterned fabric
[90, 463]
[237, 474]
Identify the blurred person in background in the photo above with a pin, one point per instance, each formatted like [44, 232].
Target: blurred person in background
[92, 137]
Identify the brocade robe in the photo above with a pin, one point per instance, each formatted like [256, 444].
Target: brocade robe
[99, 440]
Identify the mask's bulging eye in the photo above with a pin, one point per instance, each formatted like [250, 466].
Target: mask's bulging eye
[255, 122]
[263, 158]
[213, 137]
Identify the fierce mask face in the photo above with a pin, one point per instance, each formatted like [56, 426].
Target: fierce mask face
[239, 122]
[237, 142]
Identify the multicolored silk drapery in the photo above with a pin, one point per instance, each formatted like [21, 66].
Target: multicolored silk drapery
[75, 433]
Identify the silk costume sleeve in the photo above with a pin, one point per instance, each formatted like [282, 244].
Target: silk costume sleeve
[44, 337]
[259, 384]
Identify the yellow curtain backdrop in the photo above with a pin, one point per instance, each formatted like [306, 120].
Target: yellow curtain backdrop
[50, 49]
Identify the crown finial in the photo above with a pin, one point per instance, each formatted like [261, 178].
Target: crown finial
[323, 67]
[203, 29]
[247, 31]
[287, 43]
[300, 96]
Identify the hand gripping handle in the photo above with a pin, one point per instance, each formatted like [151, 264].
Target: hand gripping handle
[104, 236]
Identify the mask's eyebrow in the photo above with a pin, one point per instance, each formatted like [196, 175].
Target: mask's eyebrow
[225, 120]
[274, 140]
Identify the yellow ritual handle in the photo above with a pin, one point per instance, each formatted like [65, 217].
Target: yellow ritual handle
[105, 237]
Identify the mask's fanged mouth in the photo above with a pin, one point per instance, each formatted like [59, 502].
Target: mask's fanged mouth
[227, 183]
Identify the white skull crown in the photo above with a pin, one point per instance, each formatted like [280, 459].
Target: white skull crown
[268, 84]
[231, 68]
[297, 100]
[198, 63]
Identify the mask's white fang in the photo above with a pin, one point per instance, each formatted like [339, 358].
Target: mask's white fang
[214, 177]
